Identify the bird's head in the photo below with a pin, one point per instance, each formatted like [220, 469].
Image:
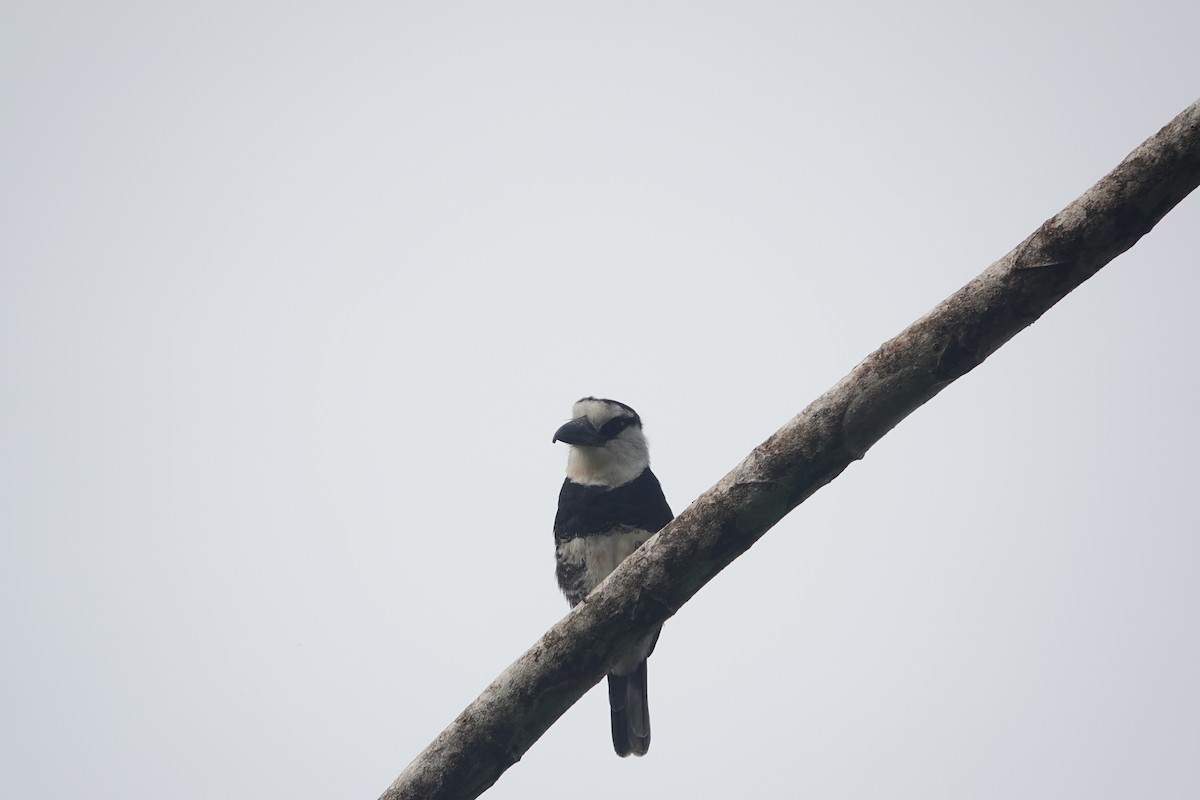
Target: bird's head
[608, 447]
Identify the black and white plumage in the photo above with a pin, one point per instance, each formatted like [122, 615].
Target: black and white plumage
[609, 505]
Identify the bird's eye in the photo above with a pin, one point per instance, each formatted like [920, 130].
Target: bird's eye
[614, 426]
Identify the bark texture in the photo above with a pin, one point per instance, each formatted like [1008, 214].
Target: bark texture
[838, 428]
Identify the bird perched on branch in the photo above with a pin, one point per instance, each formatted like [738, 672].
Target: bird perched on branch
[609, 504]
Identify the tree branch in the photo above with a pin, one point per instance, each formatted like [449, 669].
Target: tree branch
[807, 453]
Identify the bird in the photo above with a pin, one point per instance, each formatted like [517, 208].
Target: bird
[609, 504]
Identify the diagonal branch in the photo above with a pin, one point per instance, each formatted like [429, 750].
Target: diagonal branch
[804, 455]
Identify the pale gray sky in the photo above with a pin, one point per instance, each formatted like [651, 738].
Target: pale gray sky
[293, 296]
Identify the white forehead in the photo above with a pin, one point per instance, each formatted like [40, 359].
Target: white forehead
[598, 411]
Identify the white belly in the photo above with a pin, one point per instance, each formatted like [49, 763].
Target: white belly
[601, 553]
[596, 557]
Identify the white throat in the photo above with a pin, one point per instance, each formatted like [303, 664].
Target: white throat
[615, 464]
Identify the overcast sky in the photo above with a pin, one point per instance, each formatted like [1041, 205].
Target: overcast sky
[294, 295]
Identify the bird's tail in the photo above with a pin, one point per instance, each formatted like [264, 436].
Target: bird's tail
[630, 712]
